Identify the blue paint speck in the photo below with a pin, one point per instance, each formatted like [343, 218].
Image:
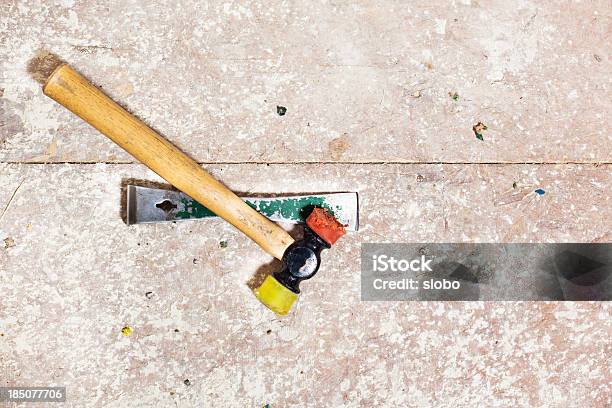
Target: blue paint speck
[539, 191]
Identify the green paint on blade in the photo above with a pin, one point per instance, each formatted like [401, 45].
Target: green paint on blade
[291, 209]
[193, 209]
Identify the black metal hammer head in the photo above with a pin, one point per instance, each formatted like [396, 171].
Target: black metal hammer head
[301, 260]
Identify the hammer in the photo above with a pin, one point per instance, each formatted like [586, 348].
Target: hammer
[301, 259]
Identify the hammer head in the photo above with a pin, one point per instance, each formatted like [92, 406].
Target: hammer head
[301, 261]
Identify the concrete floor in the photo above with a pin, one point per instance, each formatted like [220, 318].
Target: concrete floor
[381, 98]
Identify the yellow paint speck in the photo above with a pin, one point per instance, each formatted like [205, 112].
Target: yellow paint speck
[127, 330]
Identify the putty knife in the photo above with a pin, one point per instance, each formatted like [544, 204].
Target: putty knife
[150, 205]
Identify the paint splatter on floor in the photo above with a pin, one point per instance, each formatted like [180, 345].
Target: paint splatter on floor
[338, 146]
[9, 242]
[454, 96]
[478, 129]
[540, 191]
[281, 110]
[126, 331]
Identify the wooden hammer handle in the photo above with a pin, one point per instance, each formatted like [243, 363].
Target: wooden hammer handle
[76, 93]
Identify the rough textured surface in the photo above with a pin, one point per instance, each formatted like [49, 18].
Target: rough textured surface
[366, 81]
[376, 81]
[76, 275]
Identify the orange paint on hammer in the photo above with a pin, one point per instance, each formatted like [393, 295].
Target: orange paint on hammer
[325, 225]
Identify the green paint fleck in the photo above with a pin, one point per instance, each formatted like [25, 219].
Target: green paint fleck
[267, 406]
[454, 96]
[223, 244]
[478, 129]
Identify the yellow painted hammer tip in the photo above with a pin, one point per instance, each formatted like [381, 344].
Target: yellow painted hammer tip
[275, 296]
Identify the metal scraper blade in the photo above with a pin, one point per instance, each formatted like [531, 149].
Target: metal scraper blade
[150, 205]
